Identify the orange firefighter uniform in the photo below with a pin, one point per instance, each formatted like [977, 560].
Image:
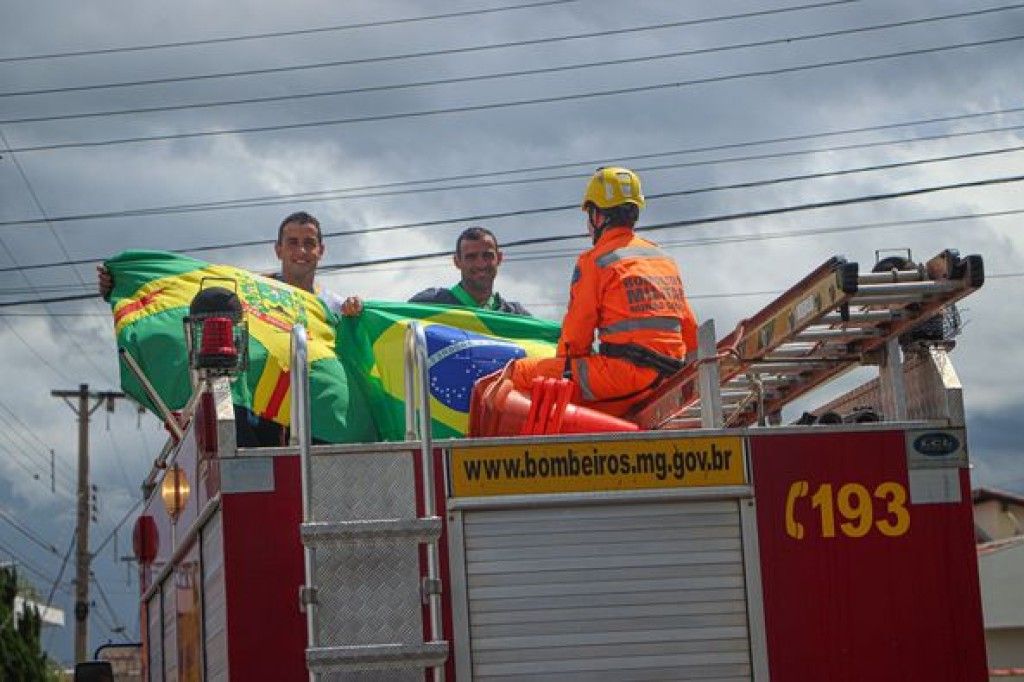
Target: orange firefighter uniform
[630, 292]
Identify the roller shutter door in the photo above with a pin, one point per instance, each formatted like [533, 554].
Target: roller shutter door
[644, 591]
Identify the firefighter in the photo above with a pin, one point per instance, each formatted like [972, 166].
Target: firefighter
[628, 291]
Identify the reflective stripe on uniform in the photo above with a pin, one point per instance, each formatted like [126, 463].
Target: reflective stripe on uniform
[631, 252]
[583, 379]
[668, 324]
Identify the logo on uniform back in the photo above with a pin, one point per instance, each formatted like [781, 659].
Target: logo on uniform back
[936, 444]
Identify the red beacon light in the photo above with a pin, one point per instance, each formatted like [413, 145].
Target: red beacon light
[218, 334]
[217, 348]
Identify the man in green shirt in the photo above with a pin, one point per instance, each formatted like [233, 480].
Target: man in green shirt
[477, 257]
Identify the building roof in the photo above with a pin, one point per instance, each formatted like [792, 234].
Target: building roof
[1000, 545]
[48, 615]
[984, 494]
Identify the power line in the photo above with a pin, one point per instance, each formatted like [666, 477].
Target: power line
[119, 459]
[60, 243]
[117, 527]
[745, 294]
[507, 103]
[678, 193]
[740, 238]
[705, 220]
[787, 234]
[348, 194]
[280, 198]
[31, 349]
[117, 627]
[27, 532]
[552, 209]
[43, 456]
[279, 34]
[29, 430]
[60, 576]
[34, 474]
[60, 573]
[25, 563]
[703, 241]
[414, 55]
[476, 78]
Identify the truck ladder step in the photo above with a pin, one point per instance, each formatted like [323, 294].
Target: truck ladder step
[319, 533]
[376, 657]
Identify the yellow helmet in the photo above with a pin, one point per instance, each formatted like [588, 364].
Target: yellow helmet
[612, 186]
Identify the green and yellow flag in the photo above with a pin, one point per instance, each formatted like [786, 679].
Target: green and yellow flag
[463, 344]
[356, 364]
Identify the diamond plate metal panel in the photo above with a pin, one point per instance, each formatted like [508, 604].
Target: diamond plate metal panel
[369, 594]
[361, 487]
[368, 589]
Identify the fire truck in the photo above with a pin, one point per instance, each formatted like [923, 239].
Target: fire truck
[709, 541]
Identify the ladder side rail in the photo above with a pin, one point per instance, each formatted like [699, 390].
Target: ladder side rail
[826, 269]
[818, 294]
[301, 435]
[916, 296]
[800, 307]
[951, 276]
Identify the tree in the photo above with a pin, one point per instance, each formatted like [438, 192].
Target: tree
[21, 655]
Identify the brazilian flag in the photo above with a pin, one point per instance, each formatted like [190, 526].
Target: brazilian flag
[463, 344]
[356, 364]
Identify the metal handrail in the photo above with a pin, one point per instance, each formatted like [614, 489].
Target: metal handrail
[417, 413]
[301, 435]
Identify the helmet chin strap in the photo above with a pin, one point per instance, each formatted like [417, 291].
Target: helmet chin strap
[598, 220]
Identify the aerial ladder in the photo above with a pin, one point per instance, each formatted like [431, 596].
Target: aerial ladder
[833, 320]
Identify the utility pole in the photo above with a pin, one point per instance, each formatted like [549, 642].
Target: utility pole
[82, 557]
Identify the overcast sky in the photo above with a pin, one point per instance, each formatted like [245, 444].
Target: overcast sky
[660, 80]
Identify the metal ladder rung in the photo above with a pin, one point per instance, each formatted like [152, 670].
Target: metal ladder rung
[810, 362]
[889, 277]
[375, 657]
[745, 384]
[783, 366]
[833, 334]
[345, 532]
[794, 354]
[910, 289]
[684, 423]
[733, 395]
[795, 349]
[856, 319]
[892, 300]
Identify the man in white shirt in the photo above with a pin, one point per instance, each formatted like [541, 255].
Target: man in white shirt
[299, 247]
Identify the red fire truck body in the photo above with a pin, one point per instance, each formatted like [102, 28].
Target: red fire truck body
[814, 552]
